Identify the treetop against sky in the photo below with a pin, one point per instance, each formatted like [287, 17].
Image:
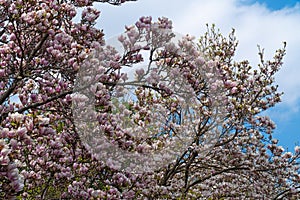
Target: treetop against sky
[264, 23]
[187, 121]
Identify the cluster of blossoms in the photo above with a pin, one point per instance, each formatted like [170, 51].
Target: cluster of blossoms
[14, 181]
[64, 101]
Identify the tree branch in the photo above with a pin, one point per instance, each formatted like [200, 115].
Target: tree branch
[10, 89]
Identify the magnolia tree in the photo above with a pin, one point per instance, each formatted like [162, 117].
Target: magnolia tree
[85, 120]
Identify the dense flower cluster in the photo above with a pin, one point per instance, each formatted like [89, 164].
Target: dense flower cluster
[188, 89]
[10, 171]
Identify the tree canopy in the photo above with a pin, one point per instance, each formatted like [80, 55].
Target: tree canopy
[189, 123]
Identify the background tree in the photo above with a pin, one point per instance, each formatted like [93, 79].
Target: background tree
[42, 155]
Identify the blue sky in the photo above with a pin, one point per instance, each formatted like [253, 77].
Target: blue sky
[264, 22]
[276, 4]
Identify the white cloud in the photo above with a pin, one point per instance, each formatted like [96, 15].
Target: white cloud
[254, 24]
